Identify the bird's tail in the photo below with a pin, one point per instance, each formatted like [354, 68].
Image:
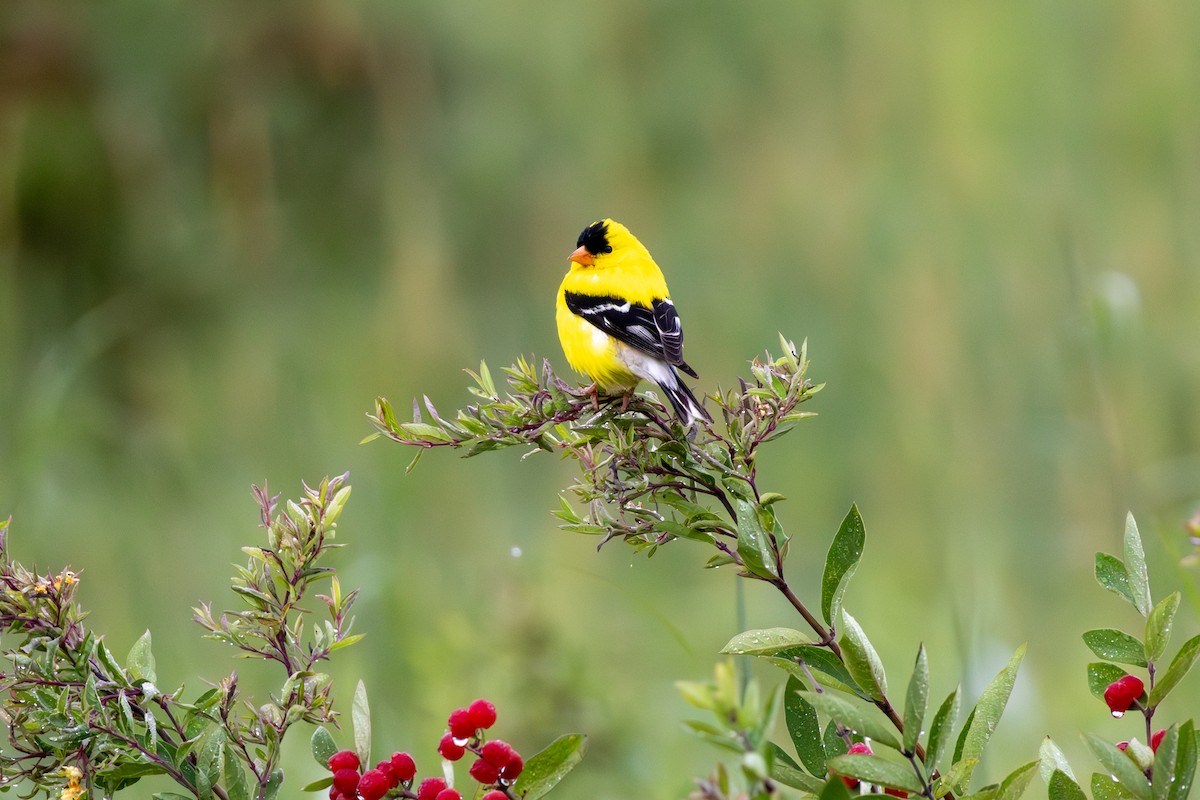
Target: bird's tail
[686, 406]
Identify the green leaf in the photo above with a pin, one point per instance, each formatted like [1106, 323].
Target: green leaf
[1158, 626]
[1112, 575]
[1164, 763]
[861, 660]
[765, 641]
[1185, 762]
[787, 771]
[274, 781]
[1115, 645]
[1119, 765]
[879, 771]
[1105, 788]
[236, 787]
[1014, 785]
[755, 525]
[1063, 787]
[208, 765]
[834, 744]
[825, 666]
[360, 712]
[174, 796]
[916, 703]
[855, 715]
[941, 729]
[841, 562]
[1181, 664]
[140, 661]
[957, 776]
[317, 786]
[1051, 758]
[988, 710]
[1135, 565]
[323, 746]
[1100, 674]
[543, 771]
[835, 789]
[804, 728]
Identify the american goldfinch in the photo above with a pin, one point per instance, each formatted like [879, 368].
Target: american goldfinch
[616, 321]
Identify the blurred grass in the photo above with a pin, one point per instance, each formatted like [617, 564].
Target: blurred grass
[225, 228]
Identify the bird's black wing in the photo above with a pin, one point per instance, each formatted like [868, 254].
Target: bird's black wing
[657, 330]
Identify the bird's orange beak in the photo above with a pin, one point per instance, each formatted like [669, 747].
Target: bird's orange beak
[582, 256]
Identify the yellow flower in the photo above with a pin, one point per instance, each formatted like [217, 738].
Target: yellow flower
[72, 791]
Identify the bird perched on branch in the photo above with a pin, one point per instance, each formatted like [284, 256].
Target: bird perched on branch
[616, 321]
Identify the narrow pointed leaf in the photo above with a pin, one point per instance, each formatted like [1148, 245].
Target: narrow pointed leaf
[360, 713]
[788, 772]
[140, 661]
[1185, 762]
[1112, 575]
[857, 716]
[1063, 787]
[1158, 626]
[236, 786]
[916, 702]
[841, 562]
[543, 771]
[765, 641]
[1135, 565]
[988, 710]
[1165, 763]
[879, 771]
[862, 661]
[1114, 645]
[942, 729]
[1181, 664]
[1119, 765]
[1051, 758]
[957, 777]
[754, 539]
[804, 728]
[1014, 785]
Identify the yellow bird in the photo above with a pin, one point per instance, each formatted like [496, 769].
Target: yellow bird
[616, 321]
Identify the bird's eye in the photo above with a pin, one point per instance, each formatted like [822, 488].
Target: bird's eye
[595, 239]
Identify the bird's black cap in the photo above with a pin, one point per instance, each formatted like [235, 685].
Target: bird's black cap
[594, 239]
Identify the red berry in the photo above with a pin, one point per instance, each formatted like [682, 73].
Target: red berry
[484, 773]
[1121, 694]
[896, 793]
[429, 788]
[512, 770]
[482, 713]
[343, 759]
[497, 752]
[1122, 745]
[386, 768]
[1156, 739]
[460, 724]
[449, 750]
[448, 794]
[495, 794]
[334, 794]
[345, 780]
[373, 785]
[404, 766]
[850, 782]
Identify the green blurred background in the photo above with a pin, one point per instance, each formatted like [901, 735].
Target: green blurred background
[226, 227]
